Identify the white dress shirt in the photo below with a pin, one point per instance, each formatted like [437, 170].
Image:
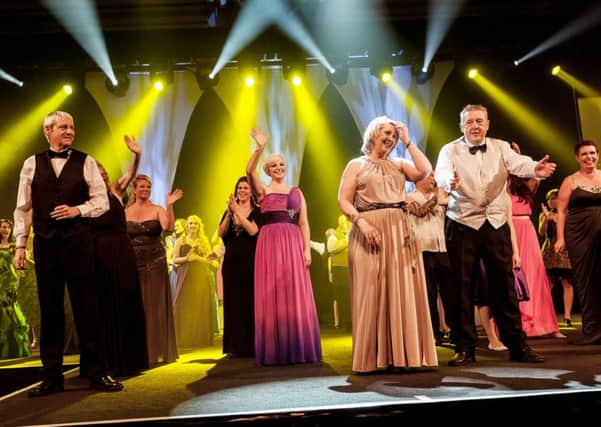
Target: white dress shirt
[337, 246]
[96, 205]
[481, 194]
[429, 229]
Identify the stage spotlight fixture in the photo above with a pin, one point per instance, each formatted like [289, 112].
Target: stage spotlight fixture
[340, 74]
[249, 74]
[158, 85]
[555, 70]
[383, 72]
[120, 89]
[205, 80]
[472, 73]
[293, 72]
[160, 77]
[422, 75]
[73, 79]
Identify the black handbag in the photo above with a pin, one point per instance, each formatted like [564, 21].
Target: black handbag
[521, 285]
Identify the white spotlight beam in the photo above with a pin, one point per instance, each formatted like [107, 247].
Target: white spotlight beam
[291, 25]
[80, 19]
[6, 76]
[442, 15]
[253, 18]
[587, 20]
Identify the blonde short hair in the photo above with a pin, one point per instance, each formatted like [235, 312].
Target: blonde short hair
[271, 160]
[372, 129]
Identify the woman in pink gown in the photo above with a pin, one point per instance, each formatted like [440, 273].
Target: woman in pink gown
[538, 314]
[286, 326]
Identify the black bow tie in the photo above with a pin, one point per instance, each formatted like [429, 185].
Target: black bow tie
[474, 148]
[61, 154]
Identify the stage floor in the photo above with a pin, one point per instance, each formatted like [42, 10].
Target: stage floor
[204, 387]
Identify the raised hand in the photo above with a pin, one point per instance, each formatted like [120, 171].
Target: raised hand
[544, 168]
[132, 144]
[174, 196]
[232, 204]
[260, 137]
[403, 132]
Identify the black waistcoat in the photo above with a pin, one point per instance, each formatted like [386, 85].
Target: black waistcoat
[48, 191]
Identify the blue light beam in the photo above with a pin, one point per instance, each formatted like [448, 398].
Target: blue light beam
[6, 76]
[442, 15]
[80, 19]
[587, 20]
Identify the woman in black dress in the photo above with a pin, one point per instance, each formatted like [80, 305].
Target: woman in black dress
[557, 264]
[238, 229]
[145, 223]
[579, 231]
[118, 286]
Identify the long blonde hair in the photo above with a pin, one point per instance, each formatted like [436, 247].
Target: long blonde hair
[204, 246]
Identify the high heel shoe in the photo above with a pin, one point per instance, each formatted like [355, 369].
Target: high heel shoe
[568, 322]
[497, 348]
[558, 335]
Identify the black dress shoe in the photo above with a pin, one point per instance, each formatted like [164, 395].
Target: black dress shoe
[462, 358]
[527, 355]
[47, 387]
[105, 383]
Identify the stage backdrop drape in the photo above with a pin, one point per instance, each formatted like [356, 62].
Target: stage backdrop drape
[163, 123]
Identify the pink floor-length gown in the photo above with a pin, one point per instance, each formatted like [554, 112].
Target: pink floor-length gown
[286, 325]
[538, 314]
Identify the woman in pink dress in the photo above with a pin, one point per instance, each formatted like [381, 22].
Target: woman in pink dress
[286, 326]
[538, 314]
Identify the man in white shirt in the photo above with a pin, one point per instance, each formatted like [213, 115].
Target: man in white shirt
[474, 170]
[427, 205]
[59, 191]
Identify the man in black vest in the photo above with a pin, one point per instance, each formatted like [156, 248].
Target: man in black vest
[59, 191]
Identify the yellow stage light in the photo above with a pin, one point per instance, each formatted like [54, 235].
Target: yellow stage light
[555, 70]
[533, 123]
[472, 73]
[68, 89]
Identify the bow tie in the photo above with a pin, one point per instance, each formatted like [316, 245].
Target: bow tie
[61, 154]
[473, 149]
